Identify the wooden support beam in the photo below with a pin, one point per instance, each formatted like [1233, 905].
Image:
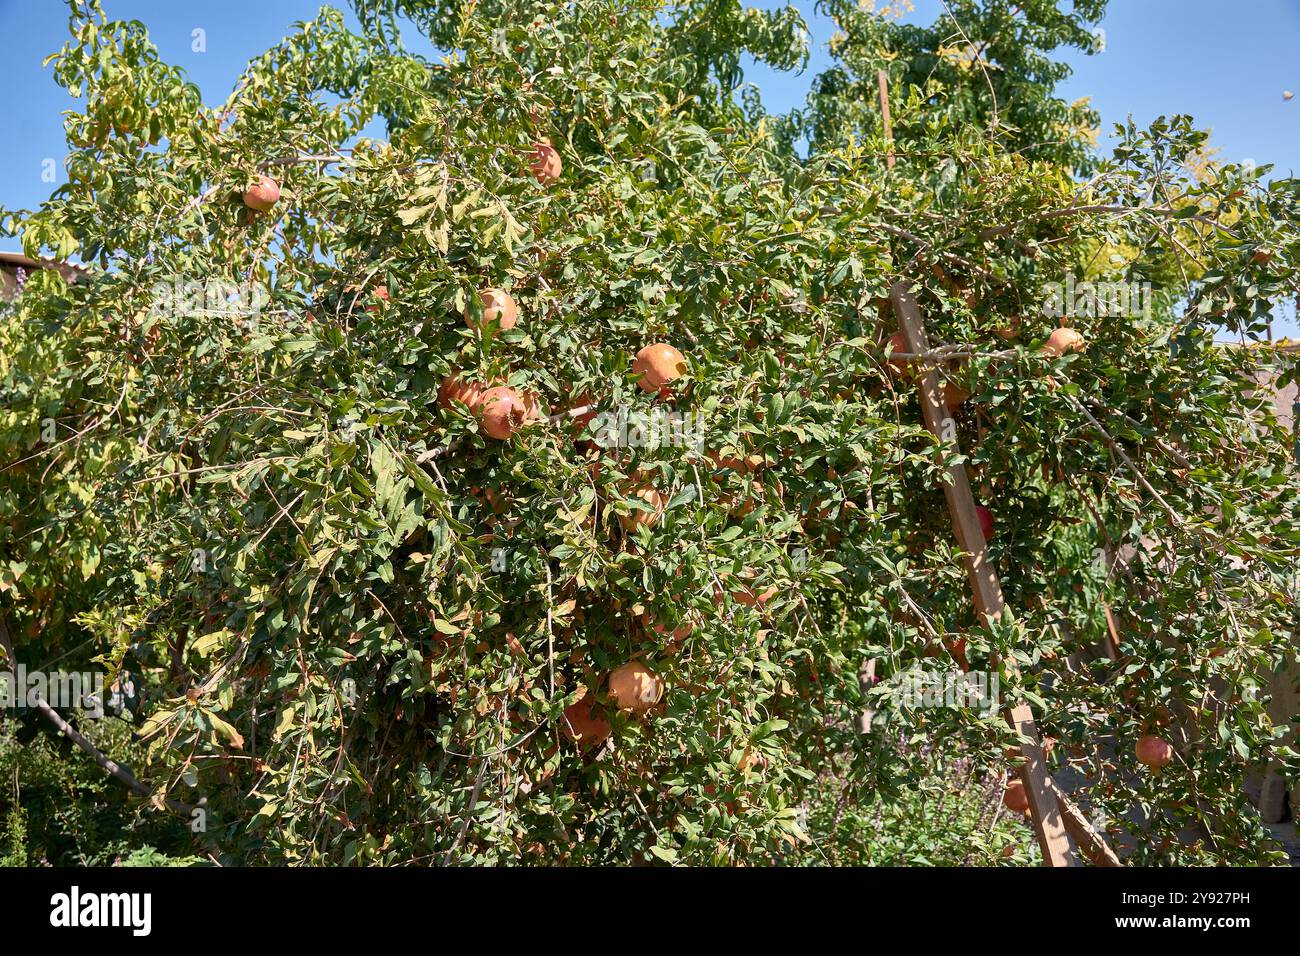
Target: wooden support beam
[1091, 843]
[882, 79]
[1044, 810]
[1111, 643]
[866, 681]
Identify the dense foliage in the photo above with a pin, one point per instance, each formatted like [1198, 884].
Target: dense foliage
[58, 810]
[356, 620]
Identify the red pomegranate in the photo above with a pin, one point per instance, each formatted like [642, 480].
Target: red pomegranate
[1064, 340]
[500, 312]
[902, 368]
[637, 518]
[1014, 798]
[583, 725]
[658, 364]
[1154, 751]
[503, 411]
[634, 687]
[454, 389]
[545, 163]
[263, 194]
[954, 395]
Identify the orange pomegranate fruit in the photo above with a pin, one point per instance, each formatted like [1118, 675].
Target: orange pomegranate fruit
[658, 364]
[743, 593]
[1014, 797]
[638, 518]
[1063, 340]
[954, 395]
[582, 725]
[634, 687]
[503, 410]
[455, 389]
[263, 194]
[745, 466]
[545, 163]
[1154, 751]
[902, 368]
[500, 312]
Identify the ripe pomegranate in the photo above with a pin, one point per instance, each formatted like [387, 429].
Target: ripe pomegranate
[354, 293]
[264, 194]
[658, 365]
[744, 594]
[747, 597]
[582, 725]
[1015, 798]
[546, 163]
[634, 687]
[751, 758]
[1063, 340]
[986, 521]
[678, 635]
[745, 466]
[453, 388]
[500, 312]
[902, 368]
[1154, 751]
[637, 518]
[954, 395]
[503, 411]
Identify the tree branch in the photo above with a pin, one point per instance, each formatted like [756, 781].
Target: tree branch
[1167, 211]
[111, 767]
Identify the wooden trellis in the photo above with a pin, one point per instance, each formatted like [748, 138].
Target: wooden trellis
[1050, 810]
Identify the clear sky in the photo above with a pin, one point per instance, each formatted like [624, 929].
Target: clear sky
[1226, 62]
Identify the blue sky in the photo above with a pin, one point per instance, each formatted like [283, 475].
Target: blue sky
[1226, 62]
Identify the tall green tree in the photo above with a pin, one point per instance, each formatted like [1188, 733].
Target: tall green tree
[366, 630]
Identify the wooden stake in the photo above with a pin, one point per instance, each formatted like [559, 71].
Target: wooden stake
[1089, 841]
[882, 79]
[866, 680]
[1044, 810]
[1111, 643]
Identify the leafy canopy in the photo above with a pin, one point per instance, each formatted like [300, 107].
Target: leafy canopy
[357, 621]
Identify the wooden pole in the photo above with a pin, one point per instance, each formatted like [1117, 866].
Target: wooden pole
[1088, 840]
[1111, 644]
[1044, 809]
[866, 680]
[882, 80]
